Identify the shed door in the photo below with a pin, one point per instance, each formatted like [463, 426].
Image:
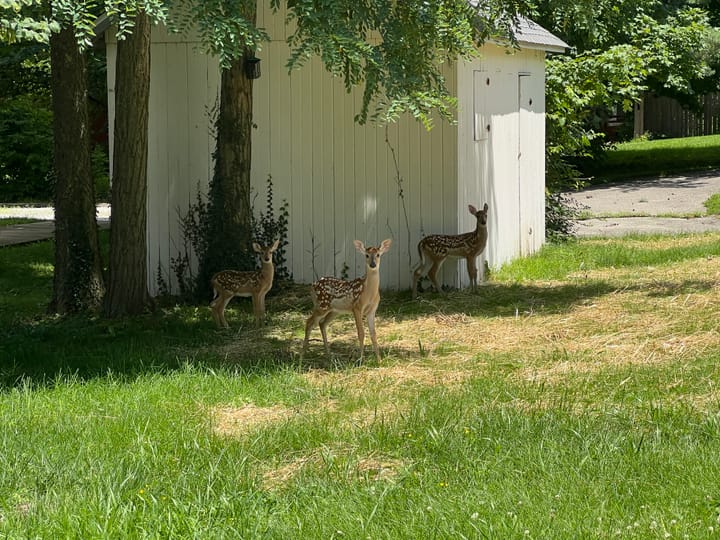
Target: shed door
[531, 193]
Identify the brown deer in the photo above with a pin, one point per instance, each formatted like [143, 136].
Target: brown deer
[230, 283]
[434, 249]
[361, 297]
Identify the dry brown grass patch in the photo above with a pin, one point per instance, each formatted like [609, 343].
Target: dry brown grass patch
[371, 468]
[234, 421]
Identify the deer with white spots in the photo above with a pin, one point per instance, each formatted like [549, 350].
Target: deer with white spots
[434, 249]
[256, 284]
[361, 297]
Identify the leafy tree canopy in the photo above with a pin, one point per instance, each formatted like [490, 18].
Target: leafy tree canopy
[393, 49]
[23, 20]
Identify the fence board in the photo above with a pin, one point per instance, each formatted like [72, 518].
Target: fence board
[666, 117]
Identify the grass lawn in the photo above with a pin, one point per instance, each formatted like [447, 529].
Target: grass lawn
[4, 222]
[662, 157]
[574, 396]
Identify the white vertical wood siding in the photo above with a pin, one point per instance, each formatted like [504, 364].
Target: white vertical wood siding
[339, 178]
[502, 96]
[183, 90]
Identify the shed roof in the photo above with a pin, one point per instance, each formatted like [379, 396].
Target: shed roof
[533, 36]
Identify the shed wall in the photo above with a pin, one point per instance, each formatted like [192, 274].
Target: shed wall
[501, 147]
[344, 181]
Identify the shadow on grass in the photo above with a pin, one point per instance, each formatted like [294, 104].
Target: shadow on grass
[46, 350]
[40, 350]
[509, 300]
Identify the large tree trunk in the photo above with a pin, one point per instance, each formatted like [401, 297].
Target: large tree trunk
[229, 230]
[78, 280]
[127, 292]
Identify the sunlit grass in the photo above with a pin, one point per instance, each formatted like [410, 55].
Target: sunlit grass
[662, 157]
[5, 222]
[573, 396]
[713, 205]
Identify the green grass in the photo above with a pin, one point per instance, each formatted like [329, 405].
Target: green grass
[713, 205]
[573, 396]
[662, 157]
[5, 222]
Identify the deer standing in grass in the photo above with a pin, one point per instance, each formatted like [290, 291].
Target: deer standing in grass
[361, 297]
[434, 249]
[256, 284]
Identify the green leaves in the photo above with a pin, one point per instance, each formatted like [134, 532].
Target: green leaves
[21, 20]
[227, 28]
[396, 50]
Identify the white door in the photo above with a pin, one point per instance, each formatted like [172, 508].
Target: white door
[531, 191]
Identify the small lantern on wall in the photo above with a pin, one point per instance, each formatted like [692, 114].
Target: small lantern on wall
[252, 67]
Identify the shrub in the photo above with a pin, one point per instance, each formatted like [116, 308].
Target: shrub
[26, 142]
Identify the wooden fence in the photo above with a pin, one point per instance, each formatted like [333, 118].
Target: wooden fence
[665, 117]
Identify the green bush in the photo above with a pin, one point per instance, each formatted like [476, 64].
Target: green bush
[25, 149]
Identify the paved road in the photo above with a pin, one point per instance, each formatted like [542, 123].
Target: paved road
[41, 229]
[652, 199]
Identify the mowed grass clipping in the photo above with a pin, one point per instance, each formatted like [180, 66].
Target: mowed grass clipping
[573, 396]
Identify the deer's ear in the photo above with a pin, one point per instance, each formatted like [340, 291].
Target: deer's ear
[275, 245]
[486, 207]
[472, 209]
[257, 248]
[385, 245]
[359, 246]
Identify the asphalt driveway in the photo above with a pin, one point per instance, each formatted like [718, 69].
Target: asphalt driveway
[651, 200]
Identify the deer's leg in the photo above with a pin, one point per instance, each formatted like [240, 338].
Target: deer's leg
[258, 301]
[312, 320]
[360, 330]
[373, 337]
[432, 274]
[417, 275]
[213, 304]
[472, 272]
[323, 329]
[218, 306]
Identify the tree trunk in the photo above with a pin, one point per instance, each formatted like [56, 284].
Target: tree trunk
[229, 231]
[78, 280]
[127, 278]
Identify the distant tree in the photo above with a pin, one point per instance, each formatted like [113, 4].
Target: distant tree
[623, 49]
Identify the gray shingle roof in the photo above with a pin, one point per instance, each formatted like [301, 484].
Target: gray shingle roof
[531, 35]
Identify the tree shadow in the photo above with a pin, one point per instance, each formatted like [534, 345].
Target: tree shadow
[44, 351]
[509, 300]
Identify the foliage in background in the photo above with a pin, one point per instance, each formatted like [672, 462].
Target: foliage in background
[26, 122]
[623, 49]
[25, 20]
[578, 89]
[561, 213]
[659, 157]
[25, 149]
[673, 56]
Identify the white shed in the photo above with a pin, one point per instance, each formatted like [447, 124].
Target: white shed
[344, 181]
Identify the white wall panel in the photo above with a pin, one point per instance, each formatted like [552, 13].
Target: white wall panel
[340, 178]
